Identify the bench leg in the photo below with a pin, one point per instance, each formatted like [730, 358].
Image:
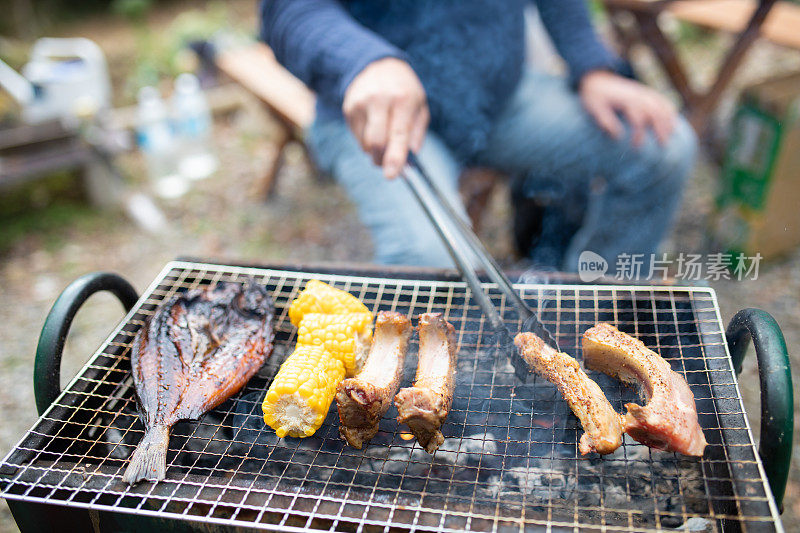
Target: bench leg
[476, 186]
[665, 52]
[699, 106]
[264, 187]
[626, 37]
[698, 116]
[102, 187]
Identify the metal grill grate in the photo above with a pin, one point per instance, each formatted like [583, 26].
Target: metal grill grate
[509, 461]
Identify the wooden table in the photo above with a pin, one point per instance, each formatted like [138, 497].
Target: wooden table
[777, 21]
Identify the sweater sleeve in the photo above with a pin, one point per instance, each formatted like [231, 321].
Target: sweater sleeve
[569, 25]
[320, 43]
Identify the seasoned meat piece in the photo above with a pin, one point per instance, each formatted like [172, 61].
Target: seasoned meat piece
[601, 424]
[365, 398]
[424, 407]
[669, 419]
[196, 351]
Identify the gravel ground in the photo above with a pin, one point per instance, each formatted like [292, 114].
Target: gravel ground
[305, 220]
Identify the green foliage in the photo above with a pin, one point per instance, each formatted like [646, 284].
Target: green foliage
[596, 7]
[47, 224]
[133, 10]
[688, 33]
[163, 55]
[46, 209]
[30, 19]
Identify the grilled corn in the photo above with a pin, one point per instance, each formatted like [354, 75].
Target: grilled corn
[300, 396]
[334, 332]
[319, 297]
[345, 337]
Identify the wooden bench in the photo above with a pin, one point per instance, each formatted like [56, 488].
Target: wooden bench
[777, 21]
[31, 151]
[288, 99]
[255, 68]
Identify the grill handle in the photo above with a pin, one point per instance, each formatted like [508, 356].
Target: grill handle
[777, 397]
[47, 366]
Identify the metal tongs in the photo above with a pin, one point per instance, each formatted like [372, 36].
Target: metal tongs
[458, 237]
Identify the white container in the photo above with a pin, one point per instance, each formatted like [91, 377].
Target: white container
[69, 78]
[158, 145]
[192, 124]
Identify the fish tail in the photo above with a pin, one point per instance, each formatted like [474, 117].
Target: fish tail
[149, 459]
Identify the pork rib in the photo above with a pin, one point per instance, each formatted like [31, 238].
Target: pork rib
[601, 424]
[668, 421]
[362, 400]
[424, 407]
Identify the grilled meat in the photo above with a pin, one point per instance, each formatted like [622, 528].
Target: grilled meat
[669, 419]
[424, 407]
[197, 350]
[364, 399]
[601, 424]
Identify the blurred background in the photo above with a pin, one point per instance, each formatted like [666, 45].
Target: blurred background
[139, 131]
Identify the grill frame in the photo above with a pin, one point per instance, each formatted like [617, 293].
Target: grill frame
[713, 324]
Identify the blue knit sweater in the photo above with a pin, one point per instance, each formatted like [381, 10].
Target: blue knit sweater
[468, 54]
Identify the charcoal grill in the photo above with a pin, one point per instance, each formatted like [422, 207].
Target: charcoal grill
[509, 462]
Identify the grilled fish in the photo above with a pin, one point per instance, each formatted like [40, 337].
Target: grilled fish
[669, 419]
[197, 350]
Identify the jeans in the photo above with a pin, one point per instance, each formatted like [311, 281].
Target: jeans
[615, 198]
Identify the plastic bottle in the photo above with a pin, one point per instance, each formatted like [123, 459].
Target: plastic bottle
[192, 121]
[157, 142]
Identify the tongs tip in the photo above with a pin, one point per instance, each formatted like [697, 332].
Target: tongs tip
[504, 343]
[462, 244]
[535, 326]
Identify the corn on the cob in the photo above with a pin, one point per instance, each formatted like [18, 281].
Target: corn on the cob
[300, 396]
[346, 337]
[334, 329]
[319, 297]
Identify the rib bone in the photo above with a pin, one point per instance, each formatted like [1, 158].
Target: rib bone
[601, 424]
[362, 400]
[424, 407]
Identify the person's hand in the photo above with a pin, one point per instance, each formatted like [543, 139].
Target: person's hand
[386, 107]
[604, 94]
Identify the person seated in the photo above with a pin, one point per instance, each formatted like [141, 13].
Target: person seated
[604, 156]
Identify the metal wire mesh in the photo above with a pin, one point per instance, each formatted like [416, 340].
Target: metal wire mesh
[509, 461]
